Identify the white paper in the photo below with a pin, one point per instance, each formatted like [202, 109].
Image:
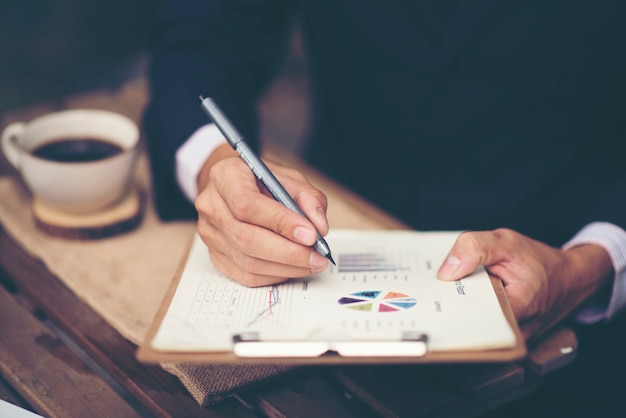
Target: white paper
[383, 286]
[14, 411]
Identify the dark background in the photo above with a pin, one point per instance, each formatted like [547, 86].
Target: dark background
[52, 48]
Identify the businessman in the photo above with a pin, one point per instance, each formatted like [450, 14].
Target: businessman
[501, 118]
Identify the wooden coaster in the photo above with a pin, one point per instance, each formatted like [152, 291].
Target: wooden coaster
[117, 219]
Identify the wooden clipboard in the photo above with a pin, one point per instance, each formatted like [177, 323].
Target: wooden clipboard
[147, 354]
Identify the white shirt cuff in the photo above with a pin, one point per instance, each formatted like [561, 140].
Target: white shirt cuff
[190, 157]
[613, 239]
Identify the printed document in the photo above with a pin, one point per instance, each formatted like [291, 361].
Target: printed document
[383, 288]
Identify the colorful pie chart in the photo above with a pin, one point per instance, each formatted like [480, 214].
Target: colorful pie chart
[377, 301]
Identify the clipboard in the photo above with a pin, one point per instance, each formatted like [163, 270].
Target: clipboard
[409, 346]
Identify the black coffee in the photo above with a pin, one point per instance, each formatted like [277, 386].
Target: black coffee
[77, 150]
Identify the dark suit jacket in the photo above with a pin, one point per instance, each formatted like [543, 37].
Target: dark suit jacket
[448, 114]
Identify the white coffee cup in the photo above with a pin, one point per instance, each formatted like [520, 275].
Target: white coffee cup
[78, 186]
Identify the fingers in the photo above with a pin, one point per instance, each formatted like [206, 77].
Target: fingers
[518, 261]
[253, 208]
[543, 284]
[247, 205]
[254, 272]
[472, 249]
[239, 234]
[239, 260]
[251, 237]
[308, 198]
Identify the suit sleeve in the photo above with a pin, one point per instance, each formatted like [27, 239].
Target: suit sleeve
[225, 49]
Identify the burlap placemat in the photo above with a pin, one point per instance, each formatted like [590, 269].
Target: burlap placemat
[142, 262]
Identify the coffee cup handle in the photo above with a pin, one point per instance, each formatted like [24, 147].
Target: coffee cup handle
[9, 136]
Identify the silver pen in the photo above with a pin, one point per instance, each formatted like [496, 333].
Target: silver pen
[258, 167]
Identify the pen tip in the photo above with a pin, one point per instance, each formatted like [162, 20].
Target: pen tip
[201, 98]
[330, 257]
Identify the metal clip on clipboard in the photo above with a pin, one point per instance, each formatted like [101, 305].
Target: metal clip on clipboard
[251, 344]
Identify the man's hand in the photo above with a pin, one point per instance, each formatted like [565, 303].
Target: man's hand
[543, 284]
[251, 237]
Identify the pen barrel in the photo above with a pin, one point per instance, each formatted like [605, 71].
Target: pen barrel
[266, 177]
[232, 135]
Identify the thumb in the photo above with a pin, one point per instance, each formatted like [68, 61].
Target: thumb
[470, 250]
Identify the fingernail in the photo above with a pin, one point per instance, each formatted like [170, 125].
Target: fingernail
[317, 262]
[304, 235]
[449, 266]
